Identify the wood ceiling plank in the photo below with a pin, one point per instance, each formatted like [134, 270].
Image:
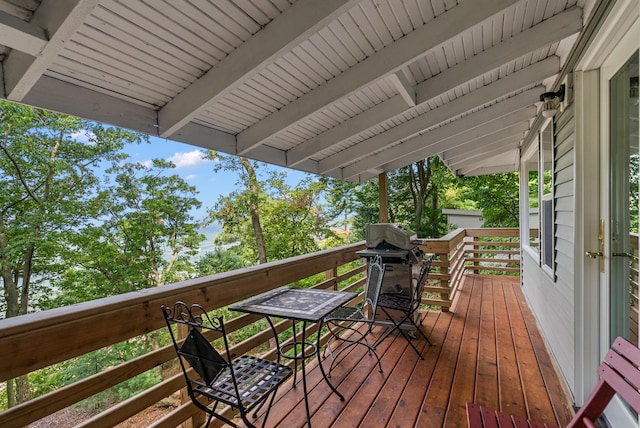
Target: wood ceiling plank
[454, 108]
[483, 149]
[491, 133]
[432, 140]
[150, 41]
[346, 129]
[458, 154]
[384, 62]
[286, 31]
[553, 29]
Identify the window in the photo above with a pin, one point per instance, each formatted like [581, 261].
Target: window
[529, 191]
[547, 218]
[537, 195]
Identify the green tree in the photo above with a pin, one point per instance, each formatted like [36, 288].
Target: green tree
[497, 196]
[294, 220]
[47, 164]
[266, 214]
[218, 261]
[341, 204]
[145, 236]
[366, 207]
[241, 204]
[415, 192]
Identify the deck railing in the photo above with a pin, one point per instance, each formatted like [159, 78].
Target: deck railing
[487, 251]
[35, 341]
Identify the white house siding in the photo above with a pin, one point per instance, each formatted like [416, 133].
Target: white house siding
[551, 296]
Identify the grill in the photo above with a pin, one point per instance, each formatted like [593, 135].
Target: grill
[401, 256]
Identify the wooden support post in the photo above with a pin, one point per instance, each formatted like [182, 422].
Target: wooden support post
[383, 197]
[330, 274]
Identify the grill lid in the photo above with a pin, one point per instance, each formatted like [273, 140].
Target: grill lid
[389, 234]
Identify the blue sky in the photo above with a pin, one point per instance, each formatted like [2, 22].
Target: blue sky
[196, 171]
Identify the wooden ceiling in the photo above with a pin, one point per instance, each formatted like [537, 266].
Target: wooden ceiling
[346, 89]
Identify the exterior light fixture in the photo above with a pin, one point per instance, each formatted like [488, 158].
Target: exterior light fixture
[550, 102]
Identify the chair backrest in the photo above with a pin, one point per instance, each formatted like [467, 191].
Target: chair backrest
[619, 374]
[196, 349]
[375, 275]
[421, 282]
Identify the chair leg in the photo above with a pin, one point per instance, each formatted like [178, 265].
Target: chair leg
[208, 420]
[397, 326]
[348, 343]
[422, 333]
[406, 336]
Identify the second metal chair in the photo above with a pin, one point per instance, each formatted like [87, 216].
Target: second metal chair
[402, 309]
[351, 318]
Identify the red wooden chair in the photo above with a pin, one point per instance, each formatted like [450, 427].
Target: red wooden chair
[619, 373]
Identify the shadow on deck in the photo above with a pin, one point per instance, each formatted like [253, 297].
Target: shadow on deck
[487, 350]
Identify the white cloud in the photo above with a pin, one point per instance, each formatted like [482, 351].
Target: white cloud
[83, 136]
[147, 163]
[191, 177]
[188, 160]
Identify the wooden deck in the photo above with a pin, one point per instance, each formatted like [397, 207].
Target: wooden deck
[487, 350]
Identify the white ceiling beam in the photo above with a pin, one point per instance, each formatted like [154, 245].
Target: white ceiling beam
[20, 35]
[336, 135]
[431, 139]
[61, 19]
[522, 127]
[365, 176]
[462, 153]
[482, 161]
[487, 151]
[57, 95]
[548, 31]
[501, 169]
[404, 88]
[509, 84]
[286, 31]
[384, 62]
[492, 134]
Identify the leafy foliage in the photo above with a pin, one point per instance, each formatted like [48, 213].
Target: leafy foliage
[143, 237]
[47, 173]
[219, 261]
[414, 192]
[497, 196]
[291, 220]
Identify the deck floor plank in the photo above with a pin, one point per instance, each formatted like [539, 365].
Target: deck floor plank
[410, 404]
[536, 396]
[439, 389]
[509, 383]
[366, 395]
[463, 387]
[487, 350]
[487, 374]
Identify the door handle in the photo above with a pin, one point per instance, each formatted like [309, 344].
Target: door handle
[594, 254]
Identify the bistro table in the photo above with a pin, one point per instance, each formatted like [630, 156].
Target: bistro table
[297, 304]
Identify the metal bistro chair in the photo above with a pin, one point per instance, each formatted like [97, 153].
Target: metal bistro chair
[351, 317]
[406, 306]
[244, 383]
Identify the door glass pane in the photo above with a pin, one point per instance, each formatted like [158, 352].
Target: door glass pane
[623, 107]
